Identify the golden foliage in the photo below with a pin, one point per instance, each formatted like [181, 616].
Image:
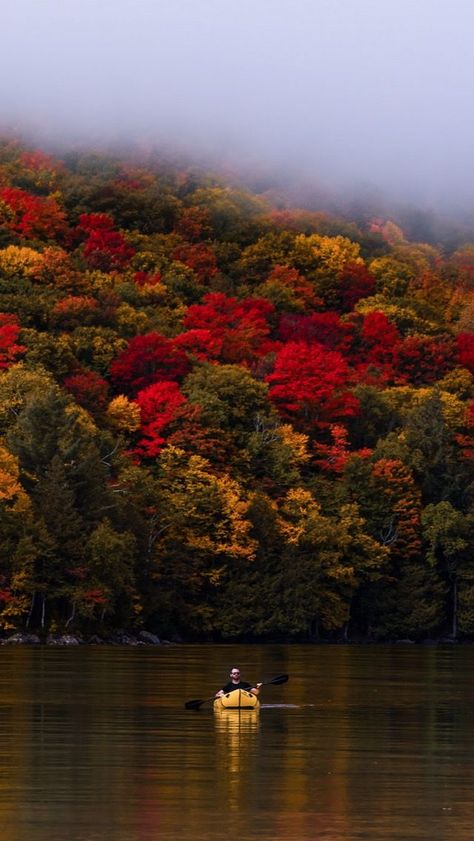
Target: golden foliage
[9, 476]
[20, 261]
[123, 414]
[332, 253]
[296, 441]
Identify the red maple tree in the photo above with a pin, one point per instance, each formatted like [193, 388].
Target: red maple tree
[310, 385]
[146, 360]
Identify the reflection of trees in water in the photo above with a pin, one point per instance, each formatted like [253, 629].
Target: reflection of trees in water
[236, 739]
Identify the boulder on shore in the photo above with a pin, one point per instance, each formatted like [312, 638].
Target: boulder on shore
[149, 638]
[21, 638]
[63, 639]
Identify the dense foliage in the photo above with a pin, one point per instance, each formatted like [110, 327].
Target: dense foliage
[223, 419]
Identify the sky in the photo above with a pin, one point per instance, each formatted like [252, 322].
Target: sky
[356, 94]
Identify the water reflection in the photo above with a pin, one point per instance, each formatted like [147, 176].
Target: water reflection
[236, 745]
[362, 744]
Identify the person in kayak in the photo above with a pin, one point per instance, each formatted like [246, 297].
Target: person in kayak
[236, 683]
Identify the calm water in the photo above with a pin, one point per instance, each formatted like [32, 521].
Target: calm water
[372, 743]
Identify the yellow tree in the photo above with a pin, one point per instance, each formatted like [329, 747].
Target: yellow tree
[322, 259]
[16, 566]
[202, 534]
[323, 562]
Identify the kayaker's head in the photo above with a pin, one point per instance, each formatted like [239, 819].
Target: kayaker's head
[235, 675]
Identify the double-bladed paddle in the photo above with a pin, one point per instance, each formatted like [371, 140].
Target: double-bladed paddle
[197, 703]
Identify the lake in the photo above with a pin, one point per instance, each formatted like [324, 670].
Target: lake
[372, 743]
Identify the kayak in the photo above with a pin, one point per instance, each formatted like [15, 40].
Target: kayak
[238, 699]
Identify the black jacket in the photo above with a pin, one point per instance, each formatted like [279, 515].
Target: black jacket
[242, 684]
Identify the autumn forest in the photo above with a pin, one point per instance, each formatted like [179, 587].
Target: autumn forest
[223, 418]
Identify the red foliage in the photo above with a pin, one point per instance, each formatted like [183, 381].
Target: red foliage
[158, 405]
[75, 311]
[187, 432]
[332, 457]
[204, 345]
[199, 257]
[375, 348]
[9, 332]
[242, 326]
[298, 219]
[379, 337]
[394, 482]
[89, 390]
[33, 216]
[104, 248]
[323, 327]
[310, 384]
[465, 342]
[299, 285]
[145, 279]
[465, 441]
[424, 359]
[38, 161]
[91, 222]
[96, 595]
[355, 282]
[193, 224]
[145, 361]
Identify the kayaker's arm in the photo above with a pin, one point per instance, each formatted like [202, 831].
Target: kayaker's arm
[256, 689]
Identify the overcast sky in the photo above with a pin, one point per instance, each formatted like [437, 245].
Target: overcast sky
[354, 92]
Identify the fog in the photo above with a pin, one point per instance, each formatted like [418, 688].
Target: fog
[356, 95]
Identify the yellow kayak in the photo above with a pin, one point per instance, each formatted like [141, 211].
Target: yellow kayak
[238, 699]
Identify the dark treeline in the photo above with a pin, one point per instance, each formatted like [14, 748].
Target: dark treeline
[223, 419]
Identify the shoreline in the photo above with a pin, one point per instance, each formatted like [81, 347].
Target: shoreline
[146, 638]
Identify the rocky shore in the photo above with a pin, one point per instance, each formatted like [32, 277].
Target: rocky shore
[115, 638]
[141, 638]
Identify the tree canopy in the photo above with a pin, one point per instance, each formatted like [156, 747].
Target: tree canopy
[221, 419]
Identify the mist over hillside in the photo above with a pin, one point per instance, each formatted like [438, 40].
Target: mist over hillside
[283, 186]
[348, 104]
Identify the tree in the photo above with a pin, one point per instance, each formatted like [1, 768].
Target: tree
[103, 248]
[74, 311]
[242, 327]
[31, 216]
[309, 385]
[378, 346]
[392, 276]
[62, 470]
[199, 257]
[288, 290]
[203, 530]
[123, 415]
[333, 457]
[158, 405]
[325, 256]
[9, 333]
[447, 532]
[323, 561]
[434, 453]
[465, 342]
[355, 282]
[424, 359]
[146, 360]
[89, 389]
[325, 328]
[104, 582]
[229, 397]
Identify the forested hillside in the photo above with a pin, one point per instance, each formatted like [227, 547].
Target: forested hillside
[222, 419]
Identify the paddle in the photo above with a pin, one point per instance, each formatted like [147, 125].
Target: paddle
[197, 703]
